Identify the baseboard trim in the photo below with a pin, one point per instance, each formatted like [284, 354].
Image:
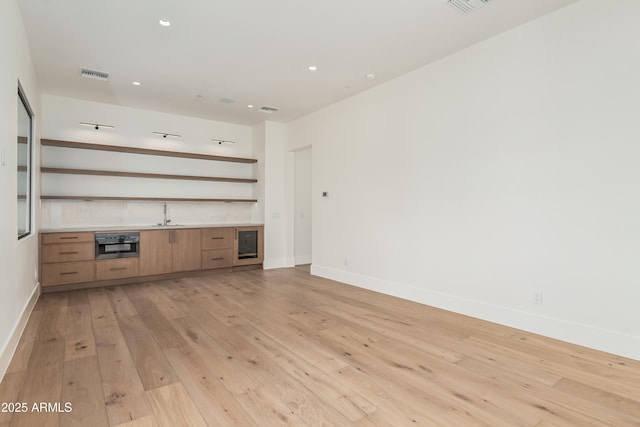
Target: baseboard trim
[576, 333]
[270, 264]
[303, 260]
[12, 343]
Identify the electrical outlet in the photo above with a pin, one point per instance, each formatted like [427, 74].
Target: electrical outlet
[346, 261]
[35, 275]
[537, 297]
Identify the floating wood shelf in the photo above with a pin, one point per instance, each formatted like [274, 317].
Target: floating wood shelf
[143, 175]
[146, 199]
[133, 150]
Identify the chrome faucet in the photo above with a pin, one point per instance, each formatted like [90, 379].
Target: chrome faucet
[164, 211]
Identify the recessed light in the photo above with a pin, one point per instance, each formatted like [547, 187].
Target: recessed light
[250, 106]
[312, 68]
[371, 76]
[164, 22]
[136, 83]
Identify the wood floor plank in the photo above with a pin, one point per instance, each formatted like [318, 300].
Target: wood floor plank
[282, 347]
[79, 340]
[121, 385]
[161, 327]
[149, 421]
[78, 297]
[153, 292]
[173, 407]
[9, 392]
[346, 400]
[42, 383]
[54, 318]
[218, 406]
[102, 315]
[25, 345]
[82, 389]
[152, 366]
[120, 302]
[269, 410]
[556, 406]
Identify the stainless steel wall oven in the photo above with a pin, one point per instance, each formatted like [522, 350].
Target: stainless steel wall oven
[117, 245]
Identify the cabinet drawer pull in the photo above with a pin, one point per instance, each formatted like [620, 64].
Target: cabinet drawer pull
[117, 268]
[68, 237]
[217, 238]
[217, 259]
[67, 273]
[69, 253]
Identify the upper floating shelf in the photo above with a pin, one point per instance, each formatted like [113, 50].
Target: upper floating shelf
[144, 175]
[147, 151]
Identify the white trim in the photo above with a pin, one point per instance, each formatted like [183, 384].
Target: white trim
[577, 333]
[303, 259]
[278, 263]
[11, 345]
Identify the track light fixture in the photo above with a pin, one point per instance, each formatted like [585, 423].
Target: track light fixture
[97, 126]
[165, 134]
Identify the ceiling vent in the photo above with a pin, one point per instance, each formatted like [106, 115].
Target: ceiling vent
[93, 74]
[267, 109]
[467, 6]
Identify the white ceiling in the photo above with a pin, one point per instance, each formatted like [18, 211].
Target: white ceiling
[251, 51]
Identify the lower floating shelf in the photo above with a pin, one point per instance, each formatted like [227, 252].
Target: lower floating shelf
[147, 199]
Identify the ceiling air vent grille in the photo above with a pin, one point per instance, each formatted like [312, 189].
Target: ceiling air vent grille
[467, 6]
[267, 109]
[93, 74]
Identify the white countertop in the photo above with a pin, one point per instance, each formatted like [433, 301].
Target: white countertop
[140, 227]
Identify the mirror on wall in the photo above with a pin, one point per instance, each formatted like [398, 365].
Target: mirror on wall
[25, 118]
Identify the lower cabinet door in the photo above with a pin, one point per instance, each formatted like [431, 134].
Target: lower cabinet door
[116, 268]
[68, 272]
[155, 252]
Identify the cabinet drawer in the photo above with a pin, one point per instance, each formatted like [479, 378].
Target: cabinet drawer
[48, 238]
[116, 268]
[217, 258]
[68, 252]
[67, 272]
[217, 238]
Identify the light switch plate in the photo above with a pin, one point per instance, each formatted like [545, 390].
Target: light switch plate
[2, 156]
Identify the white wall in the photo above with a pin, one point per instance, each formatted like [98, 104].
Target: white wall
[278, 209]
[302, 206]
[18, 259]
[508, 168]
[134, 127]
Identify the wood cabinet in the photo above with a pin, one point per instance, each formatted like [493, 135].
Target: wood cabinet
[67, 258]
[217, 258]
[186, 250]
[118, 268]
[68, 252]
[217, 247]
[156, 256]
[217, 238]
[169, 251]
[67, 272]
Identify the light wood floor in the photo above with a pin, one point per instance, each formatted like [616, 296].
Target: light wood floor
[281, 347]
